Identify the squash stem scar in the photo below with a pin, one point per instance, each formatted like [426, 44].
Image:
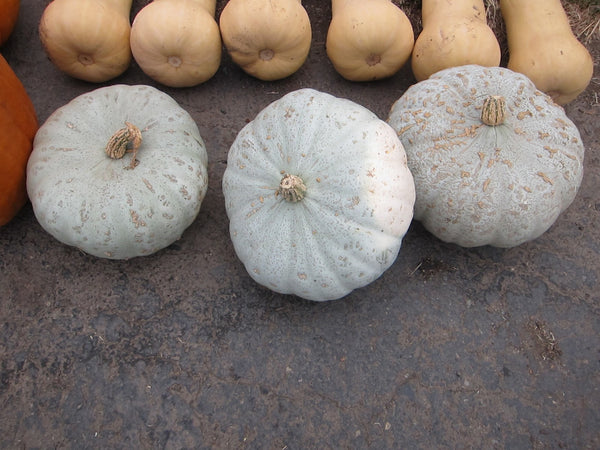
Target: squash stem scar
[85, 60]
[266, 54]
[373, 59]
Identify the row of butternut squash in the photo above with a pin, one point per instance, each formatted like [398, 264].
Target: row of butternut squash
[179, 43]
[176, 42]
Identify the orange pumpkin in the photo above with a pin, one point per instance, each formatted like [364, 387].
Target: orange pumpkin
[18, 125]
[9, 10]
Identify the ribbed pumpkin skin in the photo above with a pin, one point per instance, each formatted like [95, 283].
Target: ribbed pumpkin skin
[487, 185]
[358, 204]
[9, 11]
[105, 206]
[18, 125]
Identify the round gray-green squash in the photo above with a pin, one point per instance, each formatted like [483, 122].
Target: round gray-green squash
[318, 195]
[487, 175]
[118, 208]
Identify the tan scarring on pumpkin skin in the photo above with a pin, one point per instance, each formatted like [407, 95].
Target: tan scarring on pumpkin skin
[500, 184]
[86, 199]
[318, 195]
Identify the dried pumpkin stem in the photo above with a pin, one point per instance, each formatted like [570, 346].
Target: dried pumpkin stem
[493, 111]
[118, 144]
[291, 188]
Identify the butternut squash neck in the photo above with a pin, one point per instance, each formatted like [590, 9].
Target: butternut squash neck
[337, 5]
[209, 5]
[439, 9]
[545, 14]
[122, 6]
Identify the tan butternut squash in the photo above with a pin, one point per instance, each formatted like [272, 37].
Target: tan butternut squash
[87, 39]
[542, 46]
[368, 40]
[177, 42]
[455, 33]
[268, 40]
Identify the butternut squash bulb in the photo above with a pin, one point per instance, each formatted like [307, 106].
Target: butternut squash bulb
[18, 125]
[455, 33]
[118, 172]
[268, 39]
[542, 46]
[87, 39]
[495, 160]
[177, 42]
[318, 196]
[368, 40]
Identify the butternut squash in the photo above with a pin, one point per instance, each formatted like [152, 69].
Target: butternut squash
[455, 33]
[542, 46]
[87, 39]
[177, 42]
[268, 40]
[368, 40]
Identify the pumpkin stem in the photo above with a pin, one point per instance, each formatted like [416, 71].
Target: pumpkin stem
[117, 144]
[493, 111]
[291, 188]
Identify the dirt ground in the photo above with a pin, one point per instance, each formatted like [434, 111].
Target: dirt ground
[450, 348]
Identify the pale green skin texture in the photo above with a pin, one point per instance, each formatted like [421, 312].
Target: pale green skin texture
[100, 205]
[487, 185]
[348, 228]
